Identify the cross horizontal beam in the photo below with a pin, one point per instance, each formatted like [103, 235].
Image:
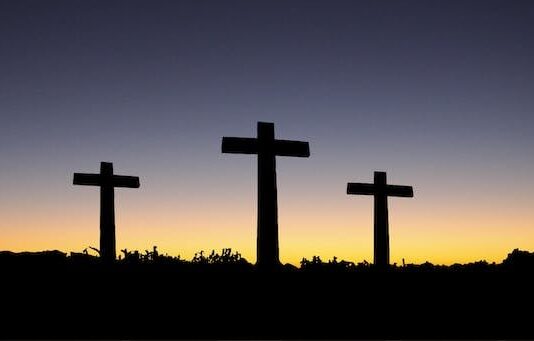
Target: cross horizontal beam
[291, 148]
[247, 145]
[372, 189]
[85, 179]
[399, 191]
[240, 145]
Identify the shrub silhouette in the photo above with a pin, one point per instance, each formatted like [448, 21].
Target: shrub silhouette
[316, 264]
[226, 257]
[517, 261]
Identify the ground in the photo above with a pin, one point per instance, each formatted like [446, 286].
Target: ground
[61, 299]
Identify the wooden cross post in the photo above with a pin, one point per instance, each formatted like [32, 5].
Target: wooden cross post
[107, 182]
[381, 191]
[267, 148]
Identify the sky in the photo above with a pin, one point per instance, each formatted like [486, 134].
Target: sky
[437, 93]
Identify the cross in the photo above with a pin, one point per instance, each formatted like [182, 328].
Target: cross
[107, 182]
[267, 148]
[381, 191]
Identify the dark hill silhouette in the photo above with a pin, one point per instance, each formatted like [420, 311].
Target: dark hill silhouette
[147, 295]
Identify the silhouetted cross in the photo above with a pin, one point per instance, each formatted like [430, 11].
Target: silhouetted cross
[267, 149]
[107, 182]
[381, 190]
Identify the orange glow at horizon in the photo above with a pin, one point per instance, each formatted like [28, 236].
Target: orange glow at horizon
[325, 226]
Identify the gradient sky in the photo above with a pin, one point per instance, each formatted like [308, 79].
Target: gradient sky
[440, 94]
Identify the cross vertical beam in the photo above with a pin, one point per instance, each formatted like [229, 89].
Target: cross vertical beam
[107, 214]
[381, 221]
[267, 230]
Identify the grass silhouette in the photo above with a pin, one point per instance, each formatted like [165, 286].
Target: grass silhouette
[516, 261]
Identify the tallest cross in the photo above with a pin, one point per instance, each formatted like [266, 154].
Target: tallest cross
[267, 148]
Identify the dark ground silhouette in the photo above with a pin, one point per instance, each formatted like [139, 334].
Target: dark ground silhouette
[149, 295]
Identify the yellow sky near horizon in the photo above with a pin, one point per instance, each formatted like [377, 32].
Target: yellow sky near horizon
[421, 229]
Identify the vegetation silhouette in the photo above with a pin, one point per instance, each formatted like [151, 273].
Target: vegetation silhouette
[519, 261]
